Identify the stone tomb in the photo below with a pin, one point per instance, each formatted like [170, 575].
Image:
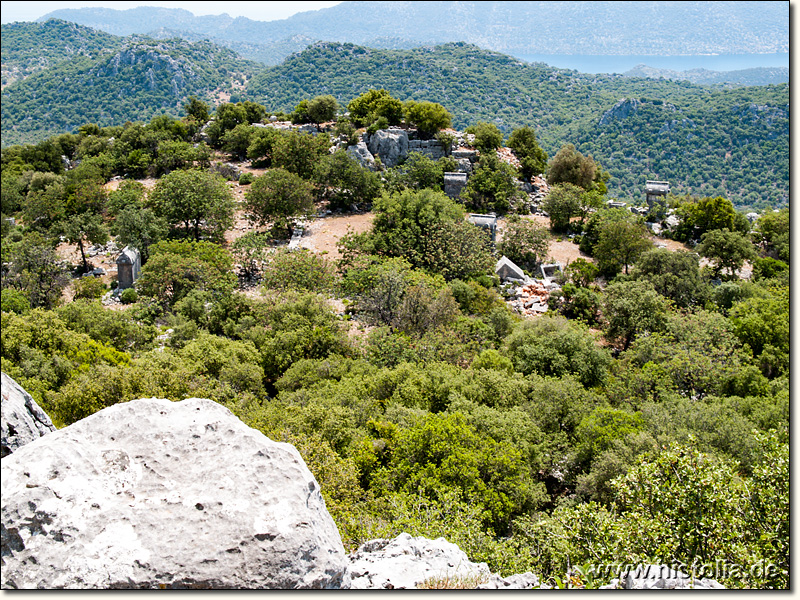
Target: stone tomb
[485, 222]
[508, 271]
[129, 266]
[454, 182]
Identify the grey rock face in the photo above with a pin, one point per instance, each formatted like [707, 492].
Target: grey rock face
[464, 165]
[405, 562]
[621, 110]
[361, 153]
[391, 145]
[152, 493]
[521, 581]
[21, 419]
[661, 577]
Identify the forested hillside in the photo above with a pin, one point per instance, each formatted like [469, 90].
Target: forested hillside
[31, 47]
[703, 139]
[754, 76]
[131, 79]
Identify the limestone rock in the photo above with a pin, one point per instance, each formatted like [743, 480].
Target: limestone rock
[405, 562]
[229, 171]
[464, 166]
[152, 493]
[361, 153]
[391, 145]
[521, 581]
[21, 419]
[660, 577]
[621, 110]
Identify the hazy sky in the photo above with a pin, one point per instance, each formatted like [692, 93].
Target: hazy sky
[258, 11]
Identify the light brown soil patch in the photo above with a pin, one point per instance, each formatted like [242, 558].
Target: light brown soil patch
[114, 184]
[322, 234]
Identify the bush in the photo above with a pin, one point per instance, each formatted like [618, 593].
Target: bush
[246, 178]
[555, 347]
[277, 197]
[128, 296]
[487, 136]
[90, 288]
[525, 243]
[298, 270]
[429, 117]
[15, 301]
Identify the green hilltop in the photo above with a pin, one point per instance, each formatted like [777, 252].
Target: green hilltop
[709, 140]
[703, 139]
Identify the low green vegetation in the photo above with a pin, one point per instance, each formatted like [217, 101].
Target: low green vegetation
[644, 418]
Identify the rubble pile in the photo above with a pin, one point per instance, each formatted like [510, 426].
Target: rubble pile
[531, 298]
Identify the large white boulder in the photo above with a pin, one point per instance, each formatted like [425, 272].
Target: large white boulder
[154, 494]
[361, 153]
[21, 419]
[406, 562]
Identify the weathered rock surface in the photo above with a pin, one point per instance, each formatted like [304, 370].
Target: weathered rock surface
[521, 581]
[21, 419]
[391, 145]
[660, 577]
[405, 562]
[152, 493]
[621, 110]
[361, 153]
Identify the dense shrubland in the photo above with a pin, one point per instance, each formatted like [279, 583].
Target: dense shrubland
[644, 419]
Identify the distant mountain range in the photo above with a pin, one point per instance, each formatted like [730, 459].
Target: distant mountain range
[516, 28]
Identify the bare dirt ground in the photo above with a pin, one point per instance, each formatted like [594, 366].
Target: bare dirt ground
[322, 234]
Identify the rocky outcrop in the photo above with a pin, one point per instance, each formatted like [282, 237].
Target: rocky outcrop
[660, 577]
[521, 581]
[406, 562]
[229, 171]
[156, 494]
[21, 419]
[361, 153]
[391, 145]
[621, 110]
